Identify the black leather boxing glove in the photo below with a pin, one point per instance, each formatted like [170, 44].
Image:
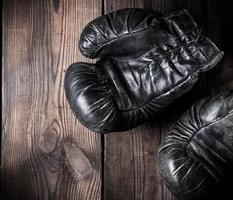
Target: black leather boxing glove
[145, 61]
[196, 156]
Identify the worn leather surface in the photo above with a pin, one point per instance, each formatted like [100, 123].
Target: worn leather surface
[196, 156]
[144, 62]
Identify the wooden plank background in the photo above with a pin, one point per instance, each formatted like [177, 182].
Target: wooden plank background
[42, 143]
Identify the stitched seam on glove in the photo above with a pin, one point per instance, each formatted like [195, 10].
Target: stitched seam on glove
[210, 170]
[177, 14]
[138, 106]
[194, 73]
[93, 54]
[179, 46]
[206, 126]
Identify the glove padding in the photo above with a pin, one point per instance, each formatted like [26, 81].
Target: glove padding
[196, 156]
[145, 61]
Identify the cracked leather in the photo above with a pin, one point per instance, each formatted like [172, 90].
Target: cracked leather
[145, 61]
[196, 156]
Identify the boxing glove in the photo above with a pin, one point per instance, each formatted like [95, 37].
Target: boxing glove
[144, 62]
[196, 156]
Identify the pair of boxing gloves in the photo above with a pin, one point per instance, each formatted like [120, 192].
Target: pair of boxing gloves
[145, 61]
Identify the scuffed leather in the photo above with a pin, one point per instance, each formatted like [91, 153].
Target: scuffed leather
[196, 156]
[145, 61]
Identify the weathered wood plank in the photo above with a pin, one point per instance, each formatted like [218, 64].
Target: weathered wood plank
[130, 157]
[40, 154]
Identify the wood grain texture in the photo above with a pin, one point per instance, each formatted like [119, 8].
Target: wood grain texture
[130, 157]
[43, 144]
